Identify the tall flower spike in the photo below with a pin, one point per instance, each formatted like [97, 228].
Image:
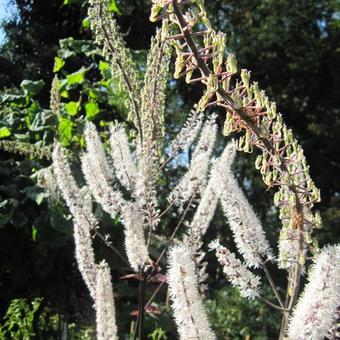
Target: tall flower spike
[104, 304]
[135, 244]
[109, 197]
[248, 233]
[107, 35]
[145, 192]
[208, 202]
[123, 163]
[187, 304]
[194, 179]
[316, 309]
[55, 96]
[237, 273]
[154, 91]
[96, 152]
[84, 220]
[187, 134]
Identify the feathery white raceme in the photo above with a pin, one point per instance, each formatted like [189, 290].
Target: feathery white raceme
[208, 202]
[194, 179]
[97, 278]
[248, 233]
[190, 316]
[96, 152]
[109, 197]
[187, 134]
[104, 304]
[66, 183]
[84, 220]
[237, 273]
[145, 191]
[135, 243]
[203, 215]
[316, 309]
[123, 163]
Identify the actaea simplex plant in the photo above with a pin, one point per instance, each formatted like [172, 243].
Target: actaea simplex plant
[124, 181]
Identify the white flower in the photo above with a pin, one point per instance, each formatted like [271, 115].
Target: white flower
[135, 243]
[66, 182]
[104, 304]
[122, 158]
[316, 309]
[96, 152]
[248, 233]
[84, 220]
[195, 178]
[237, 273]
[208, 202]
[109, 197]
[145, 192]
[189, 313]
[187, 134]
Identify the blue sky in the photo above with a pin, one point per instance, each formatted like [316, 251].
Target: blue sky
[5, 11]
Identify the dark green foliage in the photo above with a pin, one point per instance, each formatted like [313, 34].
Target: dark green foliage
[234, 317]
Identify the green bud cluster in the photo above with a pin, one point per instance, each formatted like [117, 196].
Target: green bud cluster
[154, 90]
[107, 36]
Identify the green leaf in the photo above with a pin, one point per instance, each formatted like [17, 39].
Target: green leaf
[32, 88]
[34, 233]
[103, 65]
[72, 108]
[86, 23]
[4, 132]
[91, 109]
[58, 64]
[76, 77]
[70, 2]
[113, 7]
[65, 131]
[64, 94]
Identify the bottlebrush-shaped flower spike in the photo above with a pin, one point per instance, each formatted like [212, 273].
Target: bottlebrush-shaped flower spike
[154, 92]
[84, 220]
[316, 309]
[187, 134]
[190, 316]
[135, 244]
[123, 162]
[109, 197]
[248, 233]
[208, 202]
[96, 152]
[194, 179]
[104, 304]
[237, 273]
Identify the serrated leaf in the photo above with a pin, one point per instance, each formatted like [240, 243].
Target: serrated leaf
[4, 132]
[58, 64]
[72, 108]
